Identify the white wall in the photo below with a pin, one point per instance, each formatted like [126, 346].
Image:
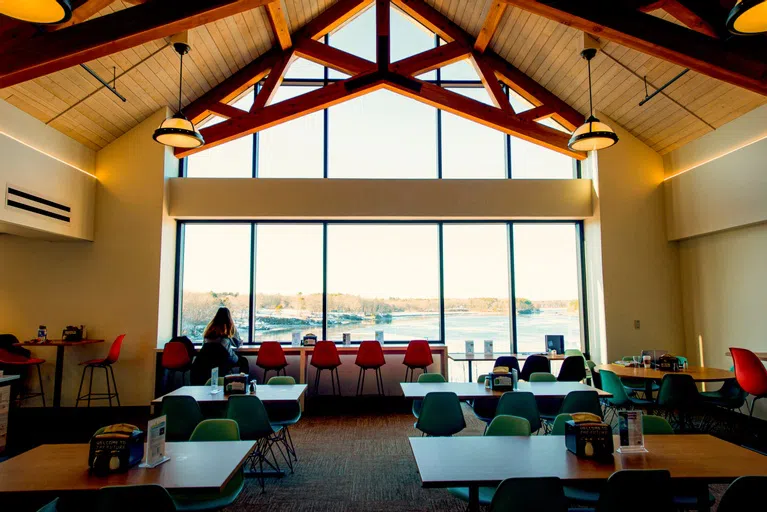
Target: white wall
[639, 267]
[113, 285]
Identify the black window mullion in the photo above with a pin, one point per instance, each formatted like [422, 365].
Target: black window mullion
[252, 298]
[324, 280]
[179, 280]
[581, 254]
[512, 291]
[441, 256]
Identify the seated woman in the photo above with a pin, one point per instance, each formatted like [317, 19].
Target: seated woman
[221, 330]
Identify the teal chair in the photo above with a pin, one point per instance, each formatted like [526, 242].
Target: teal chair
[529, 495]
[620, 399]
[620, 492]
[284, 414]
[54, 506]
[129, 498]
[251, 416]
[426, 377]
[441, 415]
[220, 381]
[521, 404]
[656, 426]
[542, 377]
[484, 407]
[502, 425]
[558, 428]
[678, 397]
[581, 401]
[730, 396]
[743, 494]
[212, 430]
[182, 414]
[636, 386]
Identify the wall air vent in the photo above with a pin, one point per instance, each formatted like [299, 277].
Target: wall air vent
[19, 200]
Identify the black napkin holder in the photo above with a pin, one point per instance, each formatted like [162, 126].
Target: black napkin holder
[115, 449]
[236, 384]
[589, 440]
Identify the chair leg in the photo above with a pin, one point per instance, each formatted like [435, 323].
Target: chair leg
[40, 380]
[290, 442]
[359, 380]
[332, 382]
[114, 384]
[80, 389]
[317, 381]
[380, 379]
[90, 387]
[109, 389]
[338, 381]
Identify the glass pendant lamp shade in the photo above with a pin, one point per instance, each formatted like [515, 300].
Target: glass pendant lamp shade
[178, 132]
[593, 135]
[748, 17]
[37, 11]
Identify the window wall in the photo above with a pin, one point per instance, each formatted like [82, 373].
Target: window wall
[509, 282]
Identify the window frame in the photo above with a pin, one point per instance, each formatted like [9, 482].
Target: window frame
[580, 265]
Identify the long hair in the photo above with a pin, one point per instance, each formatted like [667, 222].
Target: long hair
[222, 325]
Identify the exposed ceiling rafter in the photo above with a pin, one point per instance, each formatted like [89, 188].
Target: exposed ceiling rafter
[369, 76]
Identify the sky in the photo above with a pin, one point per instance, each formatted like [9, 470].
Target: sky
[382, 135]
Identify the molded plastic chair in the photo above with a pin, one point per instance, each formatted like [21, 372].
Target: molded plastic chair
[54, 506]
[729, 396]
[13, 363]
[521, 404]
[581, 401]
[655, 425]
[573, 369]
[593, 374]
[426, 377]
[253, 420]
[325, 357]
[105, 363]
[417, 355]
[677, 397]
[441, 415]
[558, 428]
[129, 498]
[484, 407]
[503, 425]
[511, 362]
[284, 414]
[622, 487]
[535, 363]
[542, 377]
[529, 495]
[637, 386]
[175, 359]
[750, 374]
[370, 356]
[183, 414]
[212, 430]
[620, 399]
[271, 357]
[743, 494]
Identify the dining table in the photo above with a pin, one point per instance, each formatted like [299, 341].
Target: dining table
[473, 390]
[470, 357]
[650, 375]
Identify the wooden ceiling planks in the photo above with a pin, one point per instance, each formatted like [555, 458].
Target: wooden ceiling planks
[543, 49]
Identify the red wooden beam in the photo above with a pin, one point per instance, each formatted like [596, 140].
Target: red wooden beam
[383, 43]
[226, 111]
[490, 81]
[273, 81]
[279, 24]
[434, 21]
[493, 18]
[326, 55]
[657, 37]
[332, 18]
[432, 59]
[54, 51]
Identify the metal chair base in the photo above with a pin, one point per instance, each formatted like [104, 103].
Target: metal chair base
[333, 382]
[412, 370]
[25, 395]
[90, 395]
[361, 381]
[276, 370]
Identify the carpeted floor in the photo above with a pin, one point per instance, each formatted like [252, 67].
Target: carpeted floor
[359, 462]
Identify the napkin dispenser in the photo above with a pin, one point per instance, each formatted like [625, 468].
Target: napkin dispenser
[501, 379]
[586, 435]
[236, 384]
[115, 449]
[73, 333]
[310, 340]
[667, 363]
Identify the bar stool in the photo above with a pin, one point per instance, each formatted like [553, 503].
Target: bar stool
[370, 356]
[18, 362]
[417, 355]
[175, 359]
[325, 357]
[271, 357]
[105, 363]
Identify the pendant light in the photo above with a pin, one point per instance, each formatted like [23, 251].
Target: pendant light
[37, 11]
[593, 135]
[748, 17]
[178, 131]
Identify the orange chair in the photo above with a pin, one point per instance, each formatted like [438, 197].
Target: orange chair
[750, 374]
[417, 355]
[15, 363]
[370, 356]
[105, 363]
[271, 357]
[325, 357]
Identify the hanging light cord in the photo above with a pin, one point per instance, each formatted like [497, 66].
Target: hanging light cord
[180, 80]
[591, 100]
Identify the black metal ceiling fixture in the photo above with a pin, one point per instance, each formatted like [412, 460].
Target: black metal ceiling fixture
[593, 135]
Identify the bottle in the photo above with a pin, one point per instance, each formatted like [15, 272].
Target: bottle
[514, 378]
[487, 382]
[42, 334]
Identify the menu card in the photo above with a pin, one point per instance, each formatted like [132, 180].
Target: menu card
[630, 432]
[470, 347]
[155, 443]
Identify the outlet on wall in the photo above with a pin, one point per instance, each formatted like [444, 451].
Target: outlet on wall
[636, 324]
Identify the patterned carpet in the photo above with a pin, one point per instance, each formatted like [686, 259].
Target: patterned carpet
[354, 463]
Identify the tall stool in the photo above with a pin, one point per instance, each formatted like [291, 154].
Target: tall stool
[370, 356]
[17, 362]
[325, 357]
[175, 359]
[417, 355]
[271, 357]
[106, 364]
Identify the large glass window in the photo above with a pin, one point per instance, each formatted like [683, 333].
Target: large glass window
[382, 135]
[288, 281]
[216, 273]
[383, 278]
[546, 284]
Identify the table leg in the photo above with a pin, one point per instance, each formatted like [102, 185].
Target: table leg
[648, 389]
[58, 376]
[302, 374]
[473, 497]
[471, 377]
